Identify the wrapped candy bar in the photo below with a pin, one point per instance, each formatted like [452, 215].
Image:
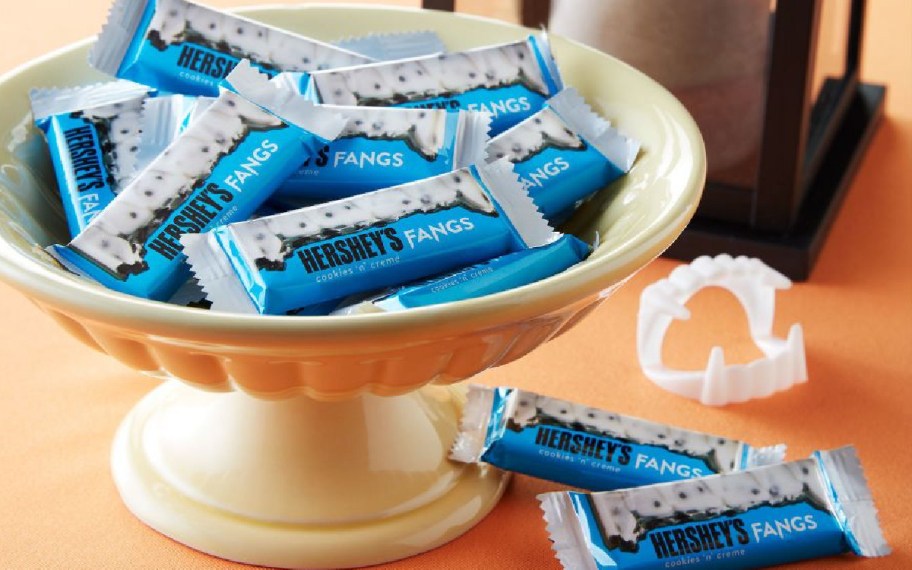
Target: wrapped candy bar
[384, 238]
[564, 153]
[93, 135]
[499, 274]
[220, 169]
[382, 147]
[187, 48]
[510, 81]
[766, 516]
[182, 47]
[590, 448]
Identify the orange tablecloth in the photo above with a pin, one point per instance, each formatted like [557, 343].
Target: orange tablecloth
[60, 402]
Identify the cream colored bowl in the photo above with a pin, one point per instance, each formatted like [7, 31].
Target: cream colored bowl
[334, 359]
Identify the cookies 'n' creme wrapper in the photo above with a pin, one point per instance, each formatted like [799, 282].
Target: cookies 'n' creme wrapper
[590, 448]
[761, 517]
[278, 264]
[220, 169]
[511, 81]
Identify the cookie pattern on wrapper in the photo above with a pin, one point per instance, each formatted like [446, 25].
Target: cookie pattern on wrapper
[511, 81]
[119, 125]
[543, 130]
[271, 241]
[769, 515]
[187, 48]
[421, 129]
[719, 453]
[178, 21]
[442, 75]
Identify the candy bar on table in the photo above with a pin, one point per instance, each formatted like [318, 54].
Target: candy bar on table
[590, 448]
[511, 81]
[220, 169]
[382, 147]
[564, 153]
[93, 135]
[367, 242]
[764, 516]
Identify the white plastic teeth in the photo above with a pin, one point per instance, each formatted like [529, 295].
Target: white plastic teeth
[754, 284]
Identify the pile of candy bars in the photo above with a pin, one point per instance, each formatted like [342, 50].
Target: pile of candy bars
[667, 497]
[247, 168]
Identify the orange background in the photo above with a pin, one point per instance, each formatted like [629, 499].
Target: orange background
[60, 402]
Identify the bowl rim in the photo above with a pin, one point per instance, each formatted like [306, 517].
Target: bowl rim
[594, 276]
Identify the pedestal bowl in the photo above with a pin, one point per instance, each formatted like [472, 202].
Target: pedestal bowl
[322, 441]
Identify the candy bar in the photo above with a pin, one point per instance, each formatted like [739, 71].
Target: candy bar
[590, 448]
[380, 239]
[220, 169]
[186, 48]
[510, 81]
[382, 147]
[765, 516]
[499, 274]
[93, 135]
[564, 153]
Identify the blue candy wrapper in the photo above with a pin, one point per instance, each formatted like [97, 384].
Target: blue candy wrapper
[93, 136]
[185, 48]
[384, 238]
[510, 81]
[590, 448]
[382, 147]
[219, 170]
[766, 516]
[564, 154]
[499, 274]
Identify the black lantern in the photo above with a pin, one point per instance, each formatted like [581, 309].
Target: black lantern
[776, 196]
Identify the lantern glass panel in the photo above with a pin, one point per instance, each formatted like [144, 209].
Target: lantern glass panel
[713, 55]
[832, 45]
[729, 106]
[829, 78]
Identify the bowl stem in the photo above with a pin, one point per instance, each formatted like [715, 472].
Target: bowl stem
[298, 483]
